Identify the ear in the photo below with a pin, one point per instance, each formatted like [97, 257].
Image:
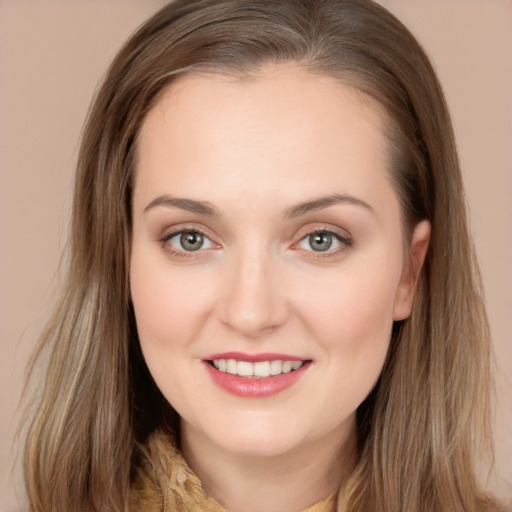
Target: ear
[411, 272]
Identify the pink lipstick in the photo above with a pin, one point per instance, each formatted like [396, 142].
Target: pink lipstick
[255, 375]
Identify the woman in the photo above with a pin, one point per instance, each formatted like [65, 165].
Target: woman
[272, 300]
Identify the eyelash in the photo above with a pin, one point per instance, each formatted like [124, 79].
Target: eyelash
[182, 253]
[344, 243]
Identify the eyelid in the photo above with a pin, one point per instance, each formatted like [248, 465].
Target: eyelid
[179, 234]
[342, 236]
[321, 227]
[175, 231]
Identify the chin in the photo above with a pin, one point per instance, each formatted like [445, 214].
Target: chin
[257, 435]
[259, 445]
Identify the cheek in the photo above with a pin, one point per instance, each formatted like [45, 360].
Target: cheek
[170, 308]
[156, 306]
[169, 304]
[357, 307]
[351, 319]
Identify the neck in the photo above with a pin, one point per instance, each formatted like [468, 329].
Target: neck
[287, 482]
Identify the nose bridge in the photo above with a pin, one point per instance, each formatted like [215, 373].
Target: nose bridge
[253, 302]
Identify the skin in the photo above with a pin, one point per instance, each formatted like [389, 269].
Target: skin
[254, 150]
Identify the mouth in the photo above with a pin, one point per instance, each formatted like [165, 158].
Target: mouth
[256, 370]
[255, 376]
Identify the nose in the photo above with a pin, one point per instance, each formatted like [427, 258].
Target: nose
[253, 301]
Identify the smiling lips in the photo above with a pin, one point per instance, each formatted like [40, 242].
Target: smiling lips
[255, 376]
[259, 369]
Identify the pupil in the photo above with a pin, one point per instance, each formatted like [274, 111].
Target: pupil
[191, 241]
[320, 242]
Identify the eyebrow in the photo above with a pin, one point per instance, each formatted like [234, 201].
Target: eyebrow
[324, 202]
[201, 207]
[205, 208]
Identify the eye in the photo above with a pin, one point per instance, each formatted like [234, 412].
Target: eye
[324, 241]
[189, 241]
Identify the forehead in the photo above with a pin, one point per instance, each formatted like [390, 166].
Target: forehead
[274, 88]
[284, 128]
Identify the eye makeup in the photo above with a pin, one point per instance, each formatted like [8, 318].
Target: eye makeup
[320, 243]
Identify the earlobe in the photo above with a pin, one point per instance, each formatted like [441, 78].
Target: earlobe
[412, 269]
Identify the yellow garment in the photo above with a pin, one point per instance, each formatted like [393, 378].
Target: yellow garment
[165, 483]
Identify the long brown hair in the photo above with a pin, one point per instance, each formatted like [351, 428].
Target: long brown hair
[427, 419]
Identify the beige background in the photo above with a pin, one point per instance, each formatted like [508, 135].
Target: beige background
[51, 56]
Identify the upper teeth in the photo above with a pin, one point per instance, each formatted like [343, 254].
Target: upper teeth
[259, 369]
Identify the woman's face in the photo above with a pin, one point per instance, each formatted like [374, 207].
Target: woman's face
[267, 264]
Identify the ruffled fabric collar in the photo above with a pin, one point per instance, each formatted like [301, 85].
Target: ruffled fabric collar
[165, 483]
